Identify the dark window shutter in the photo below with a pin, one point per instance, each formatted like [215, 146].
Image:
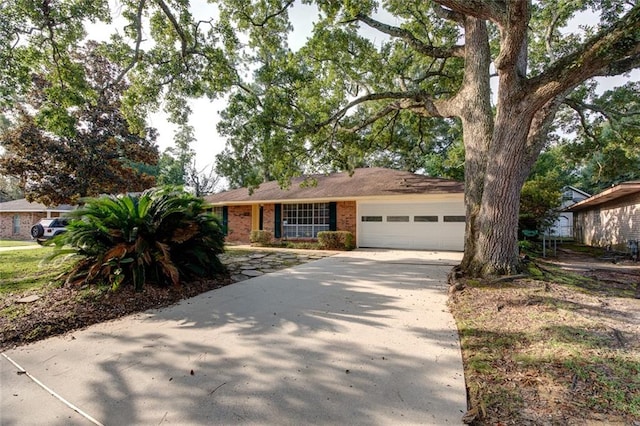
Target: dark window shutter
[261, 221]
[225, 219]
[333, 216]
[277, 227]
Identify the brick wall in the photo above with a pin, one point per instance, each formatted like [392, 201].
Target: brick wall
[26, 221]
[240, 220]
[346, 217]
[268, 218]
[239, 224]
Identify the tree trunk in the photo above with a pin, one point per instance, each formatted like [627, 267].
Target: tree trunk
[491, 241]
[510, 157]
[474, 105]
[496, 250]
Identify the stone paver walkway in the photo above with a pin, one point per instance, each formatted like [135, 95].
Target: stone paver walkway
[263, 261]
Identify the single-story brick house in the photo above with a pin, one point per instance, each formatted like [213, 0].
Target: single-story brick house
[18, 216]
[611, 217]
[381, 207]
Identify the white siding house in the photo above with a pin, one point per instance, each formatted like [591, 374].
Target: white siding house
[563, 226]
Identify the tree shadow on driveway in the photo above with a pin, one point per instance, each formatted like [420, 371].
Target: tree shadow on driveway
[343, 340]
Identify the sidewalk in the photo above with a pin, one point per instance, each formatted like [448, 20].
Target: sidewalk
[29, 247]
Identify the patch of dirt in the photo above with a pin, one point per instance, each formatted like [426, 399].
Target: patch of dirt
[616, 274]
[562, 349]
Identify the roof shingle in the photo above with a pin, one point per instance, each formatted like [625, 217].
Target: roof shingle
[22, 205]
[365, 182]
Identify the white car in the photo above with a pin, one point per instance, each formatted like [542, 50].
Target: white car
[48, 228]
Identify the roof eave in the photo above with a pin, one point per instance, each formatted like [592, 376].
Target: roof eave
[392, 197]
[573, 188]
[34, 210]
[622, 190]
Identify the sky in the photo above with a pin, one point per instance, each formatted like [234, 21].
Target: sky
[205, 113]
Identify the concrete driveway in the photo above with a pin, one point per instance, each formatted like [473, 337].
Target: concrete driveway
[361, 338]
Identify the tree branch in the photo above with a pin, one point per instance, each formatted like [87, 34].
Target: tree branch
[136, 50]
[448, 14]
[55, 49]
[184, 40]
[513, 35]
[418, 45]
[539, 129]
[621, 66]
[610, 115]
[583, 119]
[612, 51]
[493, 10]
[414, 100]
[268, 17]
[548, 35]
[371, 119]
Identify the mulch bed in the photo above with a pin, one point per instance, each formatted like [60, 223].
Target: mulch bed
[63, 309]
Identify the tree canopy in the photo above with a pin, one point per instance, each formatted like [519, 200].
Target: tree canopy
[606, 147]
[61, 155]
[177, 166]
[9, 189]
[174, 161]
[501, 69]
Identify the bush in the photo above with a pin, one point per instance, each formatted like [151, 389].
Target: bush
[336, 240]
[263, 238]
[162, 236]
[526, 245]
[302, 245]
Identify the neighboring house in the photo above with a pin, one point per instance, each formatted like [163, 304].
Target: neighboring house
[381, 207]
[610, 218]
[563, 226]
[18, 216]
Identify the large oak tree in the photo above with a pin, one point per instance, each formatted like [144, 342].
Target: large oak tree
[325, 102]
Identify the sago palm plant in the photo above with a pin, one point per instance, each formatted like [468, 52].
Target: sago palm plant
[162, 236]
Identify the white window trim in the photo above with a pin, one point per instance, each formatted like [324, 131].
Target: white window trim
[305, 230]
[15, 224]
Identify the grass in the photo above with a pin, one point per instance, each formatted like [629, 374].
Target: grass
[610, 382]
[555, 347]
[24, 270]
[11, 243]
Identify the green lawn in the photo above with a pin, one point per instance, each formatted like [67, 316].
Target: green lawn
[10, 243]
[22, 270]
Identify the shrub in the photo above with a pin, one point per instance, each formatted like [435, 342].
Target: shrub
[302, 245]
[525, 245]
[336, 240]
[162, 236]
[262, 238]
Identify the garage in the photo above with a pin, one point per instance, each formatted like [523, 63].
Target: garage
[434, 225]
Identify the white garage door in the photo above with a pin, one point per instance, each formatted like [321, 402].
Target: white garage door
[432, 226]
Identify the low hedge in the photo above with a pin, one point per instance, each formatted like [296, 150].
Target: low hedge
[336, 240]
[263, 238]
